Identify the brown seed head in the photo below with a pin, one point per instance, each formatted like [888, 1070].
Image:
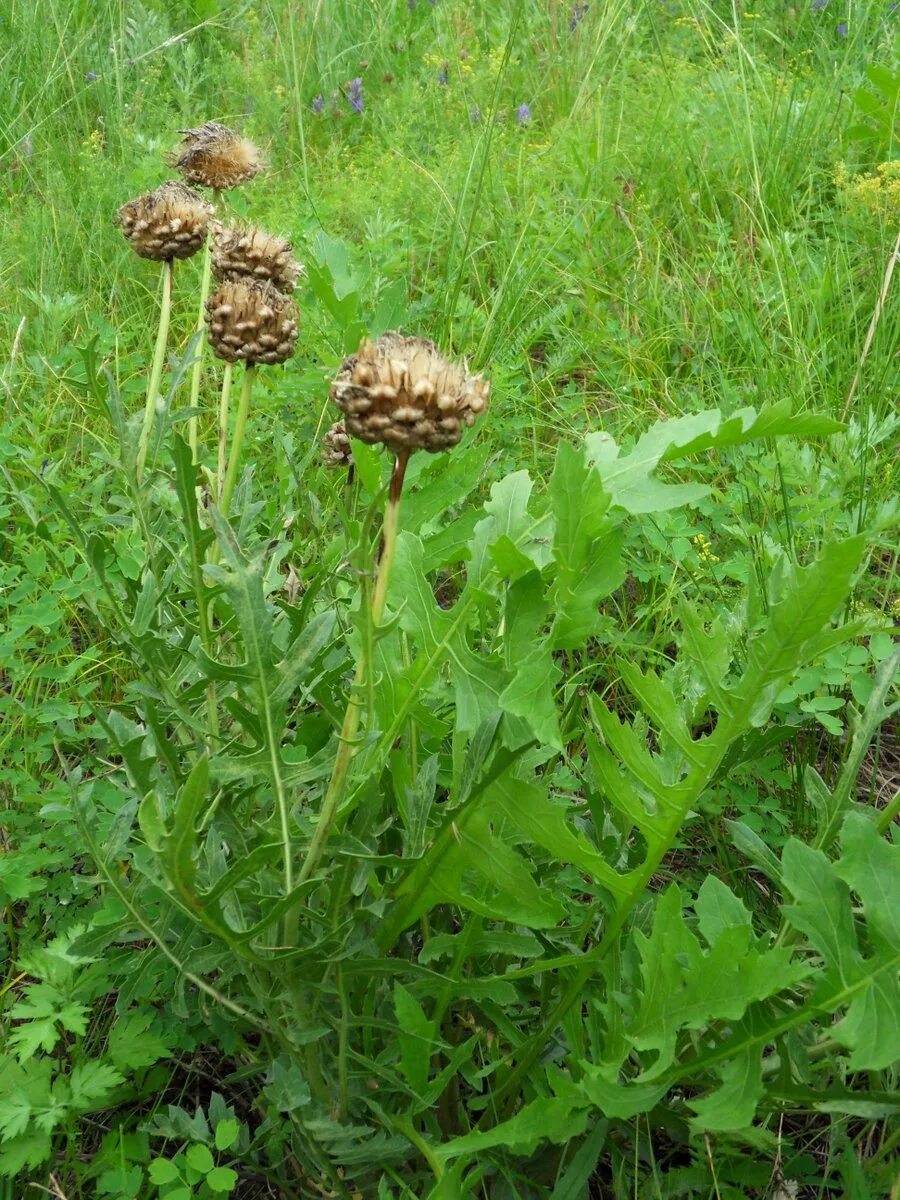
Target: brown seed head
[251, 254]
[170, 222]
[336, 450]
[214, 156]
[401, 391]
[252, 322]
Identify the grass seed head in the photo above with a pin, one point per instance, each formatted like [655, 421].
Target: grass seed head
[214, 156]
[251, 322]
[249, 253]
[170, 222]
[401, 391]
[336, 450]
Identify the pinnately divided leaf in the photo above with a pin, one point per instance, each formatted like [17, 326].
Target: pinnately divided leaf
[862, 959]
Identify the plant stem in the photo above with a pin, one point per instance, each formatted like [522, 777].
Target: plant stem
[224, 402]
[237, 439]
[156, 368]
[352, 715]
[197, 369]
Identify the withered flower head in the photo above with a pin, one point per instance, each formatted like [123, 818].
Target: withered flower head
[336, 450]
[170, 222]
[252, 322]
[214, 156]
[252, 254]
[403, 392]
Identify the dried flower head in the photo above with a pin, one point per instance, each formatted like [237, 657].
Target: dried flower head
[403, 392]
[214, 156]
[170, 222]
[249, 253]
[252, 322]
[336, 450]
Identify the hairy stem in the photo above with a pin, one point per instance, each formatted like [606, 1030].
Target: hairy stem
[156, 368]
[237, 439]
[350, 727]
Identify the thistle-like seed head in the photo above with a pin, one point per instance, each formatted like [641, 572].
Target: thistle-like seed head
[252, 322]
[170, 222]
[214, 156]
[252, 254]
[403, 392]
[336, 450]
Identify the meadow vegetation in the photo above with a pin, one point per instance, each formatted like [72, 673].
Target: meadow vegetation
[514, 820]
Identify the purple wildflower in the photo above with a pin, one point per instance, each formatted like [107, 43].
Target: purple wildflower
[523, 113]
[355, 95]
[442, 76]
[318, 104]
[579, 12]
[818, 5]
[842, 30]
[475, 115]
[91, 76]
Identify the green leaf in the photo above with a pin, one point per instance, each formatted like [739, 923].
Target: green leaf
[27, 1150]
[687, 988]
[528, 810]
[163, 1170]
[614, 1099]
[733, 1105]
[530, 695]
[227, 1132]
[199, 1158]
[628, 479]
[440, 636]
[288, 1089]
[91, 1082]
[548, 1119]
[866, 985]
[44, 1013]
[583, 1165]
[415, 1035]
[132, 1045]
[221, 1179]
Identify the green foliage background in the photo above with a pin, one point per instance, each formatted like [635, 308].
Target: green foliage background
[611, 904]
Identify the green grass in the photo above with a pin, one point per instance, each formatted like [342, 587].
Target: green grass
[667, 233]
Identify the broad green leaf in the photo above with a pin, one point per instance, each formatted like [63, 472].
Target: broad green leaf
[227, 1132]
[733, 1105]
[163, 1170]
[200, 1158]
[508, 518]
[548, 1119]
[527, 809]
[530, 695]
[587, 546]
[221, 1179]
[619, 1100]
[866, 984]
[27, 1150]
[822, 910]
[685, 987]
